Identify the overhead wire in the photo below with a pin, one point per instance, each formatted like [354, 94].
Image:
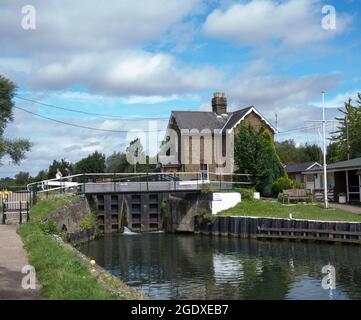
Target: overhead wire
[86, 112]
[83, 126]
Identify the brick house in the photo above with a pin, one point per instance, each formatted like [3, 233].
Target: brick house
[188, 148]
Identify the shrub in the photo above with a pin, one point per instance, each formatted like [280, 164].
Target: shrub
[246, 193]
[205, 215]
[88, 222]
[284, 183]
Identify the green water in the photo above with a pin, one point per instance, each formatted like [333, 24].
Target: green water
[168, 266]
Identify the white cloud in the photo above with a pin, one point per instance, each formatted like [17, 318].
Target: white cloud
[127, 73]
[291, 22]
[269, 92]
[84, 25]
[339, 100]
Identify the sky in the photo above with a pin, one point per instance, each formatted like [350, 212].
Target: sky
[132, 62]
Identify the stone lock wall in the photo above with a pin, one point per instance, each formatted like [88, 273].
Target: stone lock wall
[184, 207]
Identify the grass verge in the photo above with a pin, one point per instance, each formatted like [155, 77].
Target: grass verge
[46, 206]
[63, 272]
[268, 209]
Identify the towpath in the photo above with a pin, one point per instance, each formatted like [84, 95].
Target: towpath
[13, 258]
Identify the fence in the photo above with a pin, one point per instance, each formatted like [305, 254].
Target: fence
[139, 182]
[15, 204]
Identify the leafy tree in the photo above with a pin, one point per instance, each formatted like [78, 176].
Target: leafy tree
[255, 154]
[352, 116]
[289, 153]
[332, 153]
[61, 165]
[117, 162]
[14, 148]
[94, 163]
[247, 148]
[22, 178]
[42, 175]
[310, 152]
[271, 164]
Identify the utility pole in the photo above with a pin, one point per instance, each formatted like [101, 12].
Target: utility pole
[323, 121]
[347, 139]
[324, 152]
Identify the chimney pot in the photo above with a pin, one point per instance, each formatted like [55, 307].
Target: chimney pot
[219, 103]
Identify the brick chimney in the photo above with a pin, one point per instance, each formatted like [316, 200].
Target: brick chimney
[219, 103]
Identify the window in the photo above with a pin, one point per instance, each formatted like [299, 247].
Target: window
[204, 171]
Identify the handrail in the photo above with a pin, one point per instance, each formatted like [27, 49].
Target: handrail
[197, 174]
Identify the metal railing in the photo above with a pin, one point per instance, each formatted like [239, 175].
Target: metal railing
[141, 182]
[21, 208]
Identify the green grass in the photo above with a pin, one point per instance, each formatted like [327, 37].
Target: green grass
[45, 207]
[268, 209]
[60, 271]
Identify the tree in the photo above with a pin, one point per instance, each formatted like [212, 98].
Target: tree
[22, 178]
[255, 154]
[42, 175]
[289, 153]
[310, 152]
[61, 165]
[332, 153]
[272, 168]
[94, 163]
[117, 162]
[14, 148]
[347, 136]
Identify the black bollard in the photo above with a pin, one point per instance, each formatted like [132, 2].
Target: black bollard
[21, 214]
[27, 211]
[4, 213]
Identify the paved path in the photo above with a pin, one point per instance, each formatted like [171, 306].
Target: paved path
[12, 259]
[346, 207]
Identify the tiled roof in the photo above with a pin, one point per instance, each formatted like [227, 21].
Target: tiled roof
[208, 120]
[299, 167]
[343, 165]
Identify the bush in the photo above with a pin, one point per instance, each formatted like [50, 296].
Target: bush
[205, 215]
[88, 222]
[246, 193]
[284, 183]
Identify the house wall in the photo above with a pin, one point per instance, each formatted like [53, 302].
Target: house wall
[199, 155]
[256, 123]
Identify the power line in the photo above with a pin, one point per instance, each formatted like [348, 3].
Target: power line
[88, 113]
[82, 126]
[102, 115]
[301, 129]
[298, 129]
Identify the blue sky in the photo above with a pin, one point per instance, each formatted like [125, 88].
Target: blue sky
[146, 58]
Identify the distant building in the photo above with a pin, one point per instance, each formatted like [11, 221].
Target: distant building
[343, 177]
[296, 172]
[193, 126]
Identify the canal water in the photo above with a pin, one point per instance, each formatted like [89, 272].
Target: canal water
[172, 266]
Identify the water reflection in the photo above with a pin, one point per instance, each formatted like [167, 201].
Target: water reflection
[167, 266]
